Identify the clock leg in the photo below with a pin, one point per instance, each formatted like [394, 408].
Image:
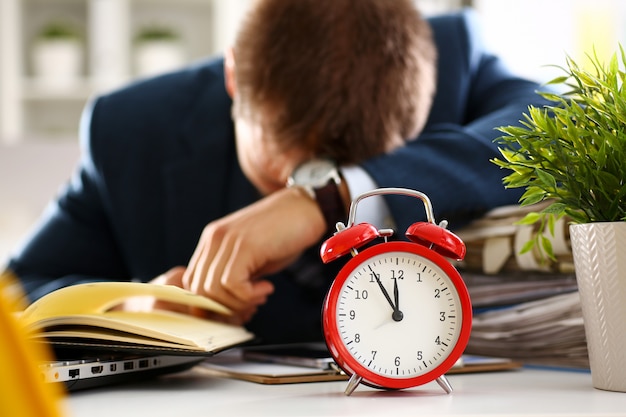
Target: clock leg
[354, 381]
[443, 383]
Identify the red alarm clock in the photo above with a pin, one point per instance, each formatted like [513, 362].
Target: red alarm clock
[398, 314]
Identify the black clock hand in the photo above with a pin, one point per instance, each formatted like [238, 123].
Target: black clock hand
[385, 293]
[397, 314]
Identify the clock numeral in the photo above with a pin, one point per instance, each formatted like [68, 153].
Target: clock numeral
[420, 355]
[419, 277]
[374, 352]
[439, 342]
[361, 295]
[357, 338]
[437, 293]
[396, 361]
[400, 274]
[442, 316]
[352, 314]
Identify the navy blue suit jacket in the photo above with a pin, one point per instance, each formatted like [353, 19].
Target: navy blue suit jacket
[159, 163]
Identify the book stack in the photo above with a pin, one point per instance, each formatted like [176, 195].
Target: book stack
[525, 308]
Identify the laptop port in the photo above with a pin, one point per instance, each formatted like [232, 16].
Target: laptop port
[74, 373]
[128, 365]
[144, 363]
[97, 369]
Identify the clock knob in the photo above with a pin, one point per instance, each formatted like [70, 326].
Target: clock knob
[440, 240]
[344, 241]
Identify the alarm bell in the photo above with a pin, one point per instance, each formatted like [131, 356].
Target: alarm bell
[349, 239]
[437, 238]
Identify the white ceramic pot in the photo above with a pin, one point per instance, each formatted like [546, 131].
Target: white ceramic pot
[600, 264]
[156, 57]
[57, 61]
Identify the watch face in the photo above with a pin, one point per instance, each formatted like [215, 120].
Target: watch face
[398, 315]
[315, 173]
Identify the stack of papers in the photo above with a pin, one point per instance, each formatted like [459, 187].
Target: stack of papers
[524, 308]
[506, 289]
[548, 332]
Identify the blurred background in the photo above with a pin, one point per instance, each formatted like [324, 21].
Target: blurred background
[55, 54]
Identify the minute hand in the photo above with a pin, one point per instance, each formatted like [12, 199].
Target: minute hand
[382, 288]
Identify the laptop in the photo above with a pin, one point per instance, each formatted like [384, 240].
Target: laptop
[97, 369]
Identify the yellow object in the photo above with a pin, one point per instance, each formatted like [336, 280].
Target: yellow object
[84, 311]
[99, 297]
[22, 391]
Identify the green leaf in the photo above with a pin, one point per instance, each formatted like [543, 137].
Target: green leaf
[555, 209]
[557, 80]
[530, 218]
[527, 247]
[546, 245]
[529, 199]
[551, 222]
[546, 179]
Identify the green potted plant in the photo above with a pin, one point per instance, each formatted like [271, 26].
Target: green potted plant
[57, 54]
[158, 48]
[572, 154]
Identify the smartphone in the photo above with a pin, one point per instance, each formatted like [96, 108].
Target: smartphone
[310, 355]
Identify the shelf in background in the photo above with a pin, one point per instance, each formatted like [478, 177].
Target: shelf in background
[108, 28]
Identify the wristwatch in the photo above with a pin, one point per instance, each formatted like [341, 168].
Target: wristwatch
[321, 179]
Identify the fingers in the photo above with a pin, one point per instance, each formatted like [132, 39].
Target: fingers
[149, 303]
[174, 276]
[235, 274]
[211, 274]
[196, 262]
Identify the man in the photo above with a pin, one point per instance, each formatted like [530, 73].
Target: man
[170, 186]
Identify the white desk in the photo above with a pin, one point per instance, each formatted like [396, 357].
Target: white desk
[513, 393]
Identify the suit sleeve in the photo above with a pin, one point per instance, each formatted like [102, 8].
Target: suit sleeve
[450, 160]
[73, 242]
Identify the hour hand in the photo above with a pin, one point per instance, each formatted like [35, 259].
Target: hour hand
[397, 314]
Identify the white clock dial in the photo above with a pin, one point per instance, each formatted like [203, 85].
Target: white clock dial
[403, 324]
[316, 173]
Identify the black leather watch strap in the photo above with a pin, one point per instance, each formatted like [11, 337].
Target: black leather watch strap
[333, 208]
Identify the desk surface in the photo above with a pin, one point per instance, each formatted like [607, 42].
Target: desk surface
[523, 392]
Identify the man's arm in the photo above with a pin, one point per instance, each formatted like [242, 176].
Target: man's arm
[236, 253]
[449, 161]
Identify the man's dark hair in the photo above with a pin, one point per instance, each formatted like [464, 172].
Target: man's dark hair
[348, 79]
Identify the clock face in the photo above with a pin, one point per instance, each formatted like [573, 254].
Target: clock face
[316, 173]
[398, 315]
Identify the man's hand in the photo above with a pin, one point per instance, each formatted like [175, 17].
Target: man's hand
[235, 252]
[148, 303]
